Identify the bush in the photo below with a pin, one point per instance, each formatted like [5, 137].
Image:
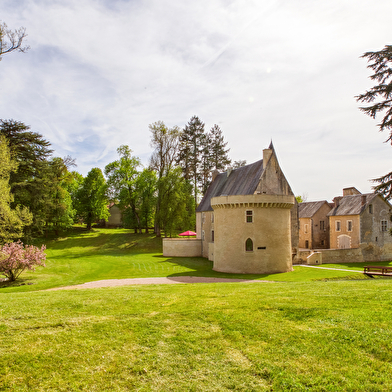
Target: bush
[16, 257]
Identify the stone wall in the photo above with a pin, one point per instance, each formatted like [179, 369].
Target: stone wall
[181, 247]
[364, 253]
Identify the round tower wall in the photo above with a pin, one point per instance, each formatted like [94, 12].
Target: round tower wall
[269, 231]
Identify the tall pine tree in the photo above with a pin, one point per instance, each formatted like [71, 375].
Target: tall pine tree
[190, 152]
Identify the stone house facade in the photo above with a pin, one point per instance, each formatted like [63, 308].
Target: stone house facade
[314, 224]
[248, 219]
[360, 219]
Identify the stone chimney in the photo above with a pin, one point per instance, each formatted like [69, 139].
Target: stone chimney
[266, 155]
[214, 174]
[336, 200]
[363, 200]
[229, 170]
[351, 191]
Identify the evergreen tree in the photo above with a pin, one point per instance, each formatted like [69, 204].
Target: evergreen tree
[38, 183]
[12, 221]
[215, 156]
[190, 151]
[381, 103]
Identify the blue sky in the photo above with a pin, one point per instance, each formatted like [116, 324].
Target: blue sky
[100, 71]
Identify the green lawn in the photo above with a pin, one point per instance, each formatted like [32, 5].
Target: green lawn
[311, 329]
[118, 253]
[312, 336]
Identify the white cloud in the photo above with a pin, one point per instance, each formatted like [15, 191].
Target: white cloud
[99, 72]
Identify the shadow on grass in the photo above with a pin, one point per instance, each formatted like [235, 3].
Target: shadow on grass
[16, 283]
[201, 267]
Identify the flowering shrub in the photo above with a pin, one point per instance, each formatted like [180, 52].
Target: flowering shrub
[16, 257]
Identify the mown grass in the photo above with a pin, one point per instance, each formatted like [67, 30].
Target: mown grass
[312, 336]
[85, 256]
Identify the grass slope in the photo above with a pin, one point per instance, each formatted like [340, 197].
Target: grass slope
[86, 256]
[314, 336]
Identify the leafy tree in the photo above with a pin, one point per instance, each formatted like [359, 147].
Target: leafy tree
[73, 181]
[123, 183]
[190, 150]
[380, 97]
[12, 221]
[164, 141]
[177, 211]
[92, 198]
[39, 183]
[16, 258]
[12, 40]
[147, 185]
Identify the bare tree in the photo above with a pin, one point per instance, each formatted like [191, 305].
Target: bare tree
[12, 40]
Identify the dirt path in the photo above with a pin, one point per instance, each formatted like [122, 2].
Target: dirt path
[171, 280]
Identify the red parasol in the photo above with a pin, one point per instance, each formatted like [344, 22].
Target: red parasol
[187, 233]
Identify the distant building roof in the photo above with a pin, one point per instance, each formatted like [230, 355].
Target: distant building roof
[241, 181]
[308, 209]
[352, 205]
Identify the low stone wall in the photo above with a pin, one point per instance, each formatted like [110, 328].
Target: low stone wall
[365, 253]
[181, 247]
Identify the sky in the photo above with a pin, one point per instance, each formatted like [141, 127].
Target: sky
[100, 71]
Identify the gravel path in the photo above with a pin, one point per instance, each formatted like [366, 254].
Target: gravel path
[171, 280]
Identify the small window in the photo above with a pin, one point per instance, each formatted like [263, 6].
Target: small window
[337, 225]
[212, 218]
[212, 236]
[306, 228]
[322, 226]
[349, 225]
[322, 242]
[307, 244]
[370, 208]
[384, 225]
[249, 216]
[249, 245]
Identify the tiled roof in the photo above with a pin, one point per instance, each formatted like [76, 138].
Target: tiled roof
[241, 181]
[308, 209]
[352, 205]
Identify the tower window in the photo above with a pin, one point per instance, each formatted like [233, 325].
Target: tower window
[249, 216]
[249, 245]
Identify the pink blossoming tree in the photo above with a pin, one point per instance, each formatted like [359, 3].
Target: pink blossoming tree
[16, 257]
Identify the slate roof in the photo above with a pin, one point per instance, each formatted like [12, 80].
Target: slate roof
[241, 181]
[352, 205]
[308, 209]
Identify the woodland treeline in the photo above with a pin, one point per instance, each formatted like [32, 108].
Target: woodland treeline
[41, 194]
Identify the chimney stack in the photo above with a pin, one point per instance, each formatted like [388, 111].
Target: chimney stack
[214, 174]
[336, 200]
[363, 200]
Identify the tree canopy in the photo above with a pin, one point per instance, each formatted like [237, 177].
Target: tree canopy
[380, 99]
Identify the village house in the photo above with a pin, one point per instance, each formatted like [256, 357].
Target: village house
[360, 219]
[247, 222]
[314, 224]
